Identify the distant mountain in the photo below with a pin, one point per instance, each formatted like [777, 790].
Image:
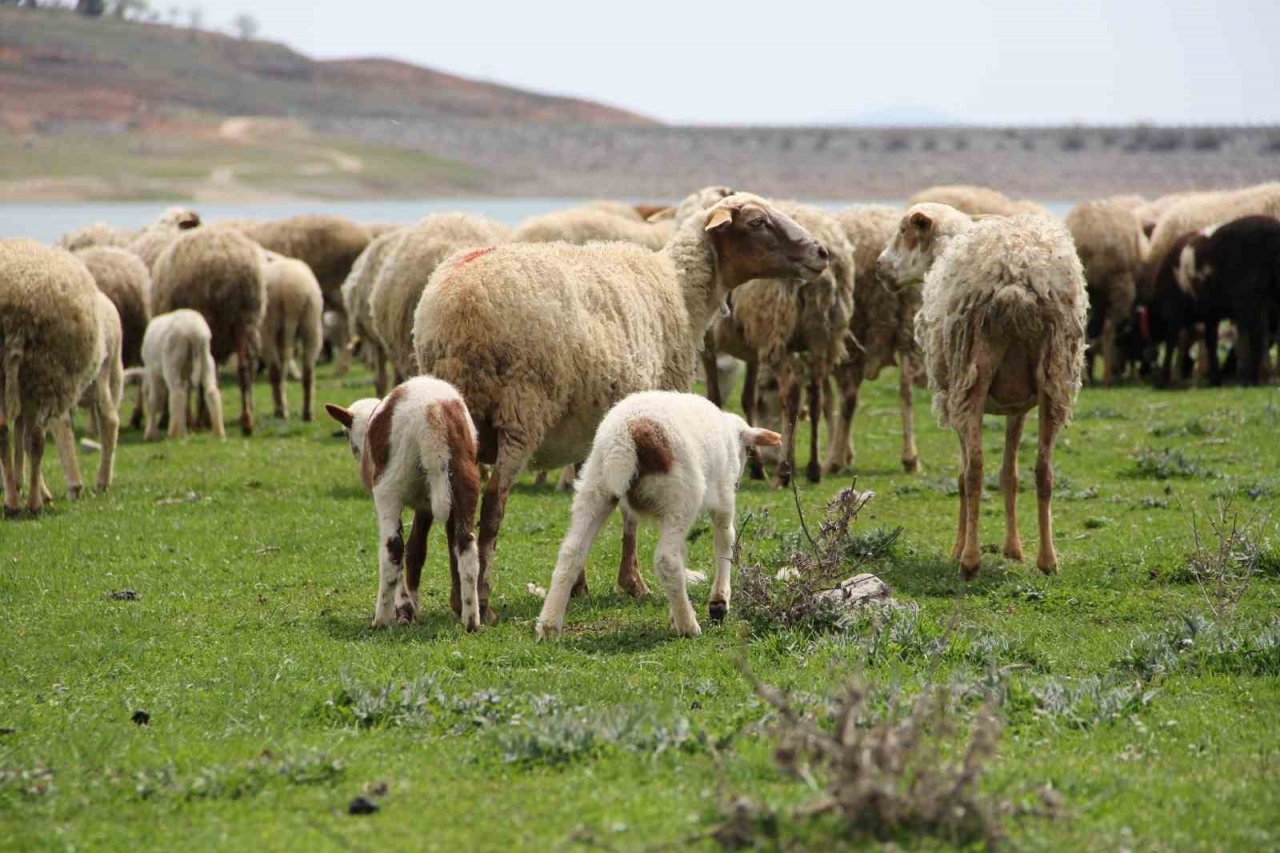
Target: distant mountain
[58, 68]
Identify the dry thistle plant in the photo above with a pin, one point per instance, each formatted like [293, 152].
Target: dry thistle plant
[1227, 556]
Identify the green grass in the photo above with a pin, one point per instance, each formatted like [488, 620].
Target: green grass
[249, 647]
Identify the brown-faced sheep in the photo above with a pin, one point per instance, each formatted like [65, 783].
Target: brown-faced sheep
[355, 298]
[542, 339]
[1002, 325]
[1112, 247]
[975, 200]
[220, 273]
[49, 340]
[404, 275]
[294, 305]
[1202, 210]
[796, 330]
[882, 331]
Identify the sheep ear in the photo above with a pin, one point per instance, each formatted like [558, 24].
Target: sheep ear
[661, 215]
[921, 220]
[339, 414]
[755, 437]
[718, 217]
[191, 220]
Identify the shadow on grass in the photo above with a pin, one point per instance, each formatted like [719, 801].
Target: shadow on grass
[936, 576]
[621, 639]
[433, 624]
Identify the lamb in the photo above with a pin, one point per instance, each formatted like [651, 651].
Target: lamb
[1234, 271]
[795, 332]
[220, 273]
[881, 331]
[49, 342]
[1205, 209]
[177, 358]
[1002, 325]
[667, 456]
[542, 339]
[581, 225]
[294, 305]
[355, 300]
[1112, 247]
[976, 201]
[327, 244]
[417, 448]
[404, 274]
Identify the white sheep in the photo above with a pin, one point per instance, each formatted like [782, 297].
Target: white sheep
[598, 221]
[294, 305]
[177, 359]
[976, 200]
[417, 448]
[355, 299]
[542, 339]
[666, 456]
[49, 348]
[1002, 326]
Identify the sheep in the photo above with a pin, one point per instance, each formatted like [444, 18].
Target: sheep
[882, 330]
[355, 300]
[220, 273]
[667, 456]
[49, 342]
[975, 200]
[177, 358]
[541, 339]
[1002, 326]
[403, 276]
[582, 225]
[1112, 247]
[101, 397]
[124, 278]
[1233, 270]
[795, 332]
[327, 244]
[417, 448]
[101, 234]
[294, 304]
[1202, 210]
[698, 201]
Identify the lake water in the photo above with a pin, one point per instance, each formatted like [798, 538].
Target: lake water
[44, 221]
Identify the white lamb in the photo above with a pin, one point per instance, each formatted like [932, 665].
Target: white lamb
[176, 359]
[667, 456]
[417, 448]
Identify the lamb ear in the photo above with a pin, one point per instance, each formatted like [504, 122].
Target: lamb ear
[755, 437]
[921, 220]
[718, 217]
[339, 414]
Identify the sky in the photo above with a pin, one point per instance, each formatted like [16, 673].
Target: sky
[827, 61]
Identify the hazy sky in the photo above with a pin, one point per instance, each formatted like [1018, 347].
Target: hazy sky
[804, 61]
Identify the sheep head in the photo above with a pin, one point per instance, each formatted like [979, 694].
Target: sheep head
[751, 239]
[355, 421]
[1193, 265]
[922, 235]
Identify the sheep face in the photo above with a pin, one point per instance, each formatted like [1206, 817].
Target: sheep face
[179, 219]
[911, 252]
[753, 240]
[1191, 272]
[355, 421]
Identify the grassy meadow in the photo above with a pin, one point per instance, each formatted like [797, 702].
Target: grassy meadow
[1134, 717]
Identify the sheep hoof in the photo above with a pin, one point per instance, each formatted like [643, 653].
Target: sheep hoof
[487, 614]
[306, 417]
[755, 470]
[246, 425]
[717, 611]
[634, 586]
[405, 613]
[579, 589]
[911, 466]
[547, 631]
[12, 512]
[473, 623]
[1013, 551]
[1048, 566]
[73, 492]
[968, 573]
[814, 472]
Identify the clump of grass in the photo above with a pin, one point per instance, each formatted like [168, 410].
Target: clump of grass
[1199, 644]
[1082, 703]
[910, 771]
[557, 735]
[236, 781]
[1227, 555]
[1166, 465]
[1102, 413]
[28, 781]
[1194, 428]
[1254, 490]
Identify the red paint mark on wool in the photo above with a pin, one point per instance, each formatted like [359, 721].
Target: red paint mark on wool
[466, 259]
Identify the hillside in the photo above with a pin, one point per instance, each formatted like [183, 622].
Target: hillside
[59, 69]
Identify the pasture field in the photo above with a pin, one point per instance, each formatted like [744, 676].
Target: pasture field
[254, 564]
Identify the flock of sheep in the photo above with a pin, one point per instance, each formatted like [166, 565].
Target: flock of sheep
[572, 341]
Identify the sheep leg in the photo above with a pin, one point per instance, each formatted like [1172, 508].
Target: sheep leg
[6, 463]
[590, 511]
[710, 370]
[540, 478]
[568, 475]
[1009, 485]
[275, 374]
[415, 555]
[139, 409]
[341, 340]
[390, 555]
[10, 444]
[106, 405]
[668, 563]
[722, 534]
[211, 397]
[178, 392]
[1047, 561]
[510, 461]
[244, 374]
[970, 556]
[630, 580]
[1210, 359]
[64, 439]
[840, 441]
[789, 395]
[33, 439]
[958, 548]
[1109, 363]
[814, 469]
[308, 388]
[749, 400]
[380, 366]
[910, 455]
